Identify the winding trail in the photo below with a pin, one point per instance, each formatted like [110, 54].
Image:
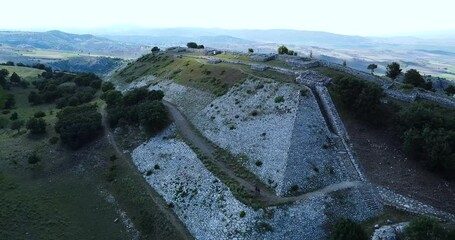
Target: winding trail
[269, 198]
[156, 198]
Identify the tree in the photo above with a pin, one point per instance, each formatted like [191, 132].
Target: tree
[34, 158]
[200, 47]
[346, 229]
[4, 73]
[15, 78]
[10, 101]
[191, 45]
[311, 53]
[152, 115]
[112, 97]
[78, 125]
[450, 90]
[250, 50]
[283, 50]
[36, 125]
[155, 49]
[413, 77]
[344, 63]
[17, 125]
[372, 67]
[13, 116]
[106, 86]
[393, 70]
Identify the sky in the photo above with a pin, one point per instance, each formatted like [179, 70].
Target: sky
[350, 17]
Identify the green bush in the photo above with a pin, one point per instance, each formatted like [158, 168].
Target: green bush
[156, 167]
[279, 99]
[242, 214]
[33, 159]
[53, 140]
[294, 188]
[258, 163]
[425, 228]
[36, 125]
[346, 229]
[39, 114]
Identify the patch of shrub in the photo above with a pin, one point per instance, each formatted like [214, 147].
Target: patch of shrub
[36, 125]
[156, 167]
[39, 114]
[294, 188]
[13, 116]
[425, 228]
[279, 99]
[258, 163]
[53, 140]
[34, 158]
[254, 113]
[242, 214]
[149, 172]
[346, 229]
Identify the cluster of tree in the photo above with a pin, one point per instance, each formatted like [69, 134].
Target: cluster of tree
[14, 80]
[155, 49]
[36, 124]
[284, 50]
[428, 133]
[65, 89]
[360, 97]
[194, 45]
[414, 78]
[139, 106]
[78, 125]
[250, 50]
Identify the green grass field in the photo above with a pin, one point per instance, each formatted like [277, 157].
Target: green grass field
[23, 72]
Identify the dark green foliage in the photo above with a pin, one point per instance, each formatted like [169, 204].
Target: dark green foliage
[428, 135]
[279, 99]
[15, 78]
[413, 77]
[137, 106]
[10, 102]
[283, 50]
[425, 228]
[112, 97]
[346, 229]
[393, 70]
[372, 67]
[258, 163]
[53, 140]
[250, 50]
[4, 73]
[450, 90]
[155, 49]
[13, 116]
[39, 114]
[152, 114]
[17, 125]
[192, 45]
[106, 86]
[200, 47]
[294, 188]
[36, 125]
[360, 97]
[156, 167]
[65, 89]
[242, 214]
[33, 159]
[78, 125]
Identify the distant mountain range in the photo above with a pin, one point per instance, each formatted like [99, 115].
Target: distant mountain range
[57, 40]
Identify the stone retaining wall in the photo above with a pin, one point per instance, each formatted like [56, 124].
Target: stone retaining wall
[335, 120]
[356, 73]
[410, 205]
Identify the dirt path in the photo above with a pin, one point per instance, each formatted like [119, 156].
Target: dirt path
[156, 198]
[186, 129]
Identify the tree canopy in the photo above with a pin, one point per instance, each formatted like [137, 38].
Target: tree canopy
[192, 45]
[36, 125]
[78, 125]
[413, 77]
[346, 229]
[372, 67]
[393, 70]
[283, 50]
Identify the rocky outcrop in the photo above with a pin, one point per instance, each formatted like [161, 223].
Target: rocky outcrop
[389, 232]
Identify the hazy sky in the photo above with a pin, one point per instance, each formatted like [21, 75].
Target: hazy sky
[381, 17]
